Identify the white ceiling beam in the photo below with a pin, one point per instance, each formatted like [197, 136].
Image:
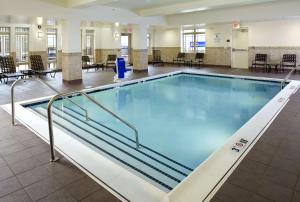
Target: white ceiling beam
[86, 3]
[192, 6]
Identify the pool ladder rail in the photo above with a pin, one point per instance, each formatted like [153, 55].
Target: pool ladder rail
[283, 82]
[63, 95]
[44, 83]
[50, 121]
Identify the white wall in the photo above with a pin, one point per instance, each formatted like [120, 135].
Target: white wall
[217, 35]
[37, 44]
[274, 33]
[168, 37]
[280, 33]
[107, 40]
[268, 33]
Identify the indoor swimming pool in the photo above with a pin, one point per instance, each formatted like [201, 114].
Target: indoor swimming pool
[184, 118]
[190, 128]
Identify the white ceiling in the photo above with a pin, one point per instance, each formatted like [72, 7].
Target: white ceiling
[144, 4]
[160, 7]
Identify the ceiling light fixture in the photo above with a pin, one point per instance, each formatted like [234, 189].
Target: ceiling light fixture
[194, 10]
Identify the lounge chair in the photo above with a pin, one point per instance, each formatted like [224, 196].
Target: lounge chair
[288, 60]
[111, 61]
[260, 60]
[37, 67]
[198, 60]
[180, 59]
[157, 57]
[8, 69]
[86, 63]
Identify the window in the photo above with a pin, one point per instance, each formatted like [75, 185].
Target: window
[52, 44]
[90, 48]
[22, 44]
[4, 41]
[193, 40]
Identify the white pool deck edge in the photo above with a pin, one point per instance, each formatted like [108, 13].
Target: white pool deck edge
[200, 185]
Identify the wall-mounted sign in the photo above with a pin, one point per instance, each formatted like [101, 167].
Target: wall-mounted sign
[217, 37]
[197, 44]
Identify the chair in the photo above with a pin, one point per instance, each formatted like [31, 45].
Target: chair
[288, 60]
[8, 69]
[180, 59]
[37, 66]
[199, 59]
[157, 57]
[260, 61]
[86, 63]
[111, 61]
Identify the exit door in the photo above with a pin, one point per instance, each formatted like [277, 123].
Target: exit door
[239, 54]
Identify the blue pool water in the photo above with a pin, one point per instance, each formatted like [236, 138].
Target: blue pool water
[185, 117]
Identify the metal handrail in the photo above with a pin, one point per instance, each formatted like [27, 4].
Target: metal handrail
[46, 84]
[50, 121]
[286, 78]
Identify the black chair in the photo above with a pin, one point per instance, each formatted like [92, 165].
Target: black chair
[111, 61]
[260, 60]
[37, 66]
[8, 69]
[180, 59]
[288, 60]
[86, 63]
[198, 60]
[157, 57]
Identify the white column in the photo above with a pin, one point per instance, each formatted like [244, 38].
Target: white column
[71, 51]
[139, 46]
[59, 45]
[13, 42]
[83, 40]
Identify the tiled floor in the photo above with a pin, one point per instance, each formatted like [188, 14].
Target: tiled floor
[270, 172]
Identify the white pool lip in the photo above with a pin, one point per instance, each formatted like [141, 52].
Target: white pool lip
[200, 185]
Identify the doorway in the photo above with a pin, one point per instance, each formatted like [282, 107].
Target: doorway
[239, 52]
[126, 47]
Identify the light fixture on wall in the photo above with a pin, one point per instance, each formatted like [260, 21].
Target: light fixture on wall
[116, 35]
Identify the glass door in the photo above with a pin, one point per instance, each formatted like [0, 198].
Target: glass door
[126, 47]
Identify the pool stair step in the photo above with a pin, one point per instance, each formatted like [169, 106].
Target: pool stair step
[156, 171]
[148, 151]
